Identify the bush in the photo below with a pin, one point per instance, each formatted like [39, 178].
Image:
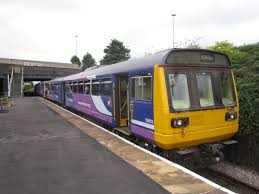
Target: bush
[245, 61]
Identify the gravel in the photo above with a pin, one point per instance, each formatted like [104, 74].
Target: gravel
[238, 173]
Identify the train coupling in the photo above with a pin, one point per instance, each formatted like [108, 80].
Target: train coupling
[215, 152]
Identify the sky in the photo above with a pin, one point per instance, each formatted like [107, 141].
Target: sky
[45, 29]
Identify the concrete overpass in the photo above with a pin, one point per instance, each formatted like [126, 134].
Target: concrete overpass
[13, 73]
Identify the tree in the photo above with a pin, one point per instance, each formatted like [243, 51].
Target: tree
[88, 61]
[75, 60]
[245, 59]
[189, 43]
[228, 48]
[115, 52]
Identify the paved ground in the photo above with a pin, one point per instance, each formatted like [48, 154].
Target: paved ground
[41, 152]
[168, 175]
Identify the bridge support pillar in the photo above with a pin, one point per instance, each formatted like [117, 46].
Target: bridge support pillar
[17, 86]
[22, 68]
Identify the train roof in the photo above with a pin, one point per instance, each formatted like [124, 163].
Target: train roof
[131, 64]
[160, 58]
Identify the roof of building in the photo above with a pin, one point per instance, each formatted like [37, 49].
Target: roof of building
[32, 63]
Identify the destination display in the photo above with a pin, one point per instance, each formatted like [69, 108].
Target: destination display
[197, 57]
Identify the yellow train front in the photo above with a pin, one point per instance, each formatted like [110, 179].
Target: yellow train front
[195, 103]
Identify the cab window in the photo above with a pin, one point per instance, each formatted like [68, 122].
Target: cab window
[179, 91]
[226, 89]
[205, 89]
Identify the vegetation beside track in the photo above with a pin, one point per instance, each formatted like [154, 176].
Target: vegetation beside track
[245, 61]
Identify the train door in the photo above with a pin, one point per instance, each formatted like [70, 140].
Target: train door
[122, 100]
[141, 103]
[63, 93]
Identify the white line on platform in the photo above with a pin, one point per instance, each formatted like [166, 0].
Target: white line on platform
[154, 155]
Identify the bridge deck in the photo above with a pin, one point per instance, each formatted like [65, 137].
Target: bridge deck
[45, 149]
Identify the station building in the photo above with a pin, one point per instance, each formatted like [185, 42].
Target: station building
[14, 72]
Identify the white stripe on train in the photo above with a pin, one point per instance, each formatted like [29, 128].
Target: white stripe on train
[98, 103]
[142, 124]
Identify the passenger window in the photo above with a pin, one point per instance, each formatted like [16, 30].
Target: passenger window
[75, 87]
[67, 87]
[95, 87]
[147, 88]
[205, 89]
[81, 87]
[179, 91]
[53, 87]
[71, 87]
[87, 87]
[106, 87]
[141, 88]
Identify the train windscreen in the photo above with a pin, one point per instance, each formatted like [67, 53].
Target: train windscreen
[190, 89]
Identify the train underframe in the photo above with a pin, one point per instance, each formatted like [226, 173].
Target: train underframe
[200, 156]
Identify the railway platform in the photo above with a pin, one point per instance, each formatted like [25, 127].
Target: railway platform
[47, 149]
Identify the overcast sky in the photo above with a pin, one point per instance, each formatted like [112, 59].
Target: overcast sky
[46, 29]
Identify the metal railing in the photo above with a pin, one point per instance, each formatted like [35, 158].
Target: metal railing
[5, 102]
[3, 94]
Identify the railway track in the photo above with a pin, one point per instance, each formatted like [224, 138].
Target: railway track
[212, 175]
[226, 181]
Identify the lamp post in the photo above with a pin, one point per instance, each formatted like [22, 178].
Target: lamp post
[76, 43]
[173, 27]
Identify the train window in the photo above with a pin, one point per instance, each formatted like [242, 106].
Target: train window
[71, 87]
[95, 87]
[141, 88]
[87, 87]
[147, 88]
[53, 87]
[179, 91]
[135, 89]
[81, 87]
[226, 89]
[205, 89]
[106, 87]
[75, 87]
[67, 87]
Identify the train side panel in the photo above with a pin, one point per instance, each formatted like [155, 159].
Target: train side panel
[93, 105]
[55, 92]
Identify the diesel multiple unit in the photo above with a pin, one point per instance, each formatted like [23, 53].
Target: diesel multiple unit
[178, 101]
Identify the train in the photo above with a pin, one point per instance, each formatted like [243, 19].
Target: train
[180, 103]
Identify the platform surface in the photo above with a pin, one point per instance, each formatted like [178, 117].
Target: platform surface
[41, 152]
[45, 149]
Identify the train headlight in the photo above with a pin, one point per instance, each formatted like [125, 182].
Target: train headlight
[230, 116]
[180, 122]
